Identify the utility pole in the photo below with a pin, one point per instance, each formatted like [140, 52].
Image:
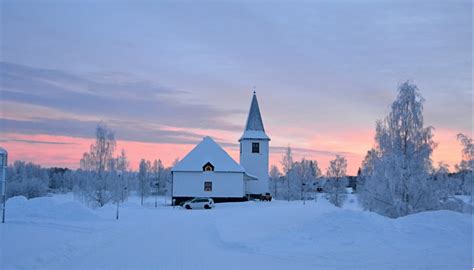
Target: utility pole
[304, 193]
[157, 185]
[288, 182]
[3, 183]
[119, 174]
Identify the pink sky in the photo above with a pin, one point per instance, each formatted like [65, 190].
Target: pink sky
[69, 152]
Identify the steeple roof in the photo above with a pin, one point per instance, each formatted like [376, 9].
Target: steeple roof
[254, 128]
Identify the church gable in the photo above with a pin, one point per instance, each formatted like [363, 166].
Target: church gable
[208, 154]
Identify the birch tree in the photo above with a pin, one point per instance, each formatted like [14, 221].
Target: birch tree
[287, 164]
[304, 176]
[158, 172]
[274, 178]
[466, 166]
[336, 181]
[96, 186]
[144, 179]
[396, 174]
[122, 176]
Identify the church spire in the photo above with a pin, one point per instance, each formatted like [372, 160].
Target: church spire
[254, 120]
[254, 128]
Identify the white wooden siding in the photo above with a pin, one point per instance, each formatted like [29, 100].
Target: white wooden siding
[224, 184]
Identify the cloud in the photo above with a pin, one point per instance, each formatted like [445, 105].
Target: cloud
[301, 151]
[125, 130]
[108, 98]
[36, 142]
[311, 152]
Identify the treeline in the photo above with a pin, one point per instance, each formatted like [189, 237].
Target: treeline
[397, 176]
[101, 178]
[31, 180]
[304, 180]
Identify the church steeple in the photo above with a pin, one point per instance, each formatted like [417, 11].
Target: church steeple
[254, 120]
[254, 128]
[254, 150]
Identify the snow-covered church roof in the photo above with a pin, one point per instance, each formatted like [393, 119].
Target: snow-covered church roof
[254, 128]
[208, 151]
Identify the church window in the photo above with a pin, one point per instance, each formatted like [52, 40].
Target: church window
[207, 186]
[255, 147]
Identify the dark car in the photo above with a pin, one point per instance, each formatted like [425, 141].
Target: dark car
[266, 197]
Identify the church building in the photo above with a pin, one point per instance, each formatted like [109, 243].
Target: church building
[209, 171]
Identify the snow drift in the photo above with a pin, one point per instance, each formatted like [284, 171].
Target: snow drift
[59, 233]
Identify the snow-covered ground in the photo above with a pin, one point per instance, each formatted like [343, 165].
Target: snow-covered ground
[60, 233]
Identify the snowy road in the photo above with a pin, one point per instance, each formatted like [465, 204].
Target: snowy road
[52, 233]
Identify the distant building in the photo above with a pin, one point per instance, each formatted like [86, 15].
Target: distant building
[209, 171]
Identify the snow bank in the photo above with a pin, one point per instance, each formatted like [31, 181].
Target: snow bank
[20, 208]
[334, 238]
[58, 233]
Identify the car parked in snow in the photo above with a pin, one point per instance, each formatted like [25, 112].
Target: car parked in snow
[196, 203]
[266, 197]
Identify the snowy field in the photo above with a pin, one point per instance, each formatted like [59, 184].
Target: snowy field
[60, 233]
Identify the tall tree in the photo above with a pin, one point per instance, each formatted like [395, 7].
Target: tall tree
[96, 187]
[304, 175]
[123, 176]
[122, 161]
[367, 169]
[396, 173]
[143, 179]
[287, 164]
[336, 181]
[274, 178]
[158, 171]
[466, 166]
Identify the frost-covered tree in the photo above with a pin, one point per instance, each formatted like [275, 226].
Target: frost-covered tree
[466, 166]
[316, 179]
[69, 180]
[122, 176]
[56, 179]
[287, 164]
[367, 169]
[275, 176]
[175, 162]
[303, 175]
[144, 188]
[299, 179]
[26, 179]
[158, 172]
[97, 185]
[122, 161]
[336, 183]
[396, 173]
[444, 188]
[467, 162]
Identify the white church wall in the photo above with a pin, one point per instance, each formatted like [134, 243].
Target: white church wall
[224, 184]
[255, 164]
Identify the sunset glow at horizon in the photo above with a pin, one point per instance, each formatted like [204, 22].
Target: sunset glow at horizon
[57, 155]
[166, 74]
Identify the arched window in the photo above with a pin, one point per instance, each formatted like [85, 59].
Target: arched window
[208, 167]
